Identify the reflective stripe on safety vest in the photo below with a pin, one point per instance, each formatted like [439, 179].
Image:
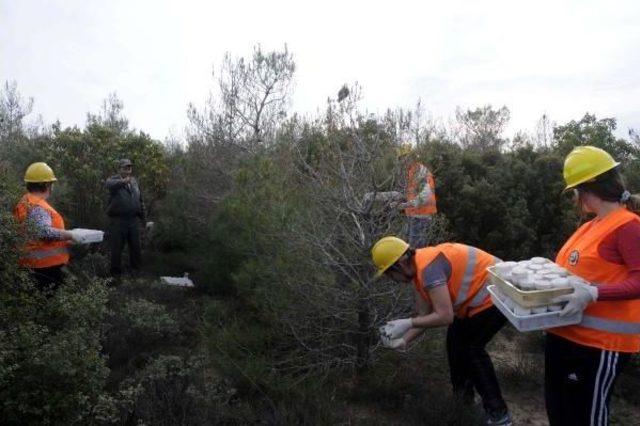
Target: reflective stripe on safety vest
[467, 283]
[472, 254]
[483, 294]
[480, 297]
[613, 326]
[43, 253]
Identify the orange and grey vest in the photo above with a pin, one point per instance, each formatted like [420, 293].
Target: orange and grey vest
[610, 325]
[41, 253]
[415, 183]
[467, 284]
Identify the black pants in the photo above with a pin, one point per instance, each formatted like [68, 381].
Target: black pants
[469, 363]
[578, 382]
[48, 279]
[125, 230]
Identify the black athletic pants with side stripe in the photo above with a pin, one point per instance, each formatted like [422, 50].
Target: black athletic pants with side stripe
[469, 363]
[579, 381]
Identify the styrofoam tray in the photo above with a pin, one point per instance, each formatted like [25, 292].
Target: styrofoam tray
[534, 321]
[526, 299]
[177, 281]
[88, 236]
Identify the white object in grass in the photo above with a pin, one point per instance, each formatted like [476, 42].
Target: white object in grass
[177, 281]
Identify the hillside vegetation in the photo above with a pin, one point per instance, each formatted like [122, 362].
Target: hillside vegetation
[265, 209]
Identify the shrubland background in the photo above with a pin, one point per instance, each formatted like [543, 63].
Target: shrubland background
[265, 209]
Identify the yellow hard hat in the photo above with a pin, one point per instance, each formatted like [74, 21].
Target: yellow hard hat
[404, 149]
[39, 173]
[585, 163]
[386, 252]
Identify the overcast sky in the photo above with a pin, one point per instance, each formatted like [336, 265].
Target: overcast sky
[562, 58]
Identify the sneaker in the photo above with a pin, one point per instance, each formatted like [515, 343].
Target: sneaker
[501, 419]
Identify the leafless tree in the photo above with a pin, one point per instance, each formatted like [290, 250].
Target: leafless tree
[544, 131]
[337, 308]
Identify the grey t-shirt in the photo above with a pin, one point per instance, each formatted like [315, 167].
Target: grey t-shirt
[437, 273]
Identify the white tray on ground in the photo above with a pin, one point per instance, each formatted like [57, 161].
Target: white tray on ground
[177, 281]
[88, 236]
[534, 321]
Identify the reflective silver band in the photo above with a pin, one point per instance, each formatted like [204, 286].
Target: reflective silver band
[480, 297]
[472, 254]
[44, 253]
[613, 326]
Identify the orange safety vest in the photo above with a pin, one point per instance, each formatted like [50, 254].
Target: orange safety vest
[414, 184]
[609, 325]
[42, 253]
[467, 284]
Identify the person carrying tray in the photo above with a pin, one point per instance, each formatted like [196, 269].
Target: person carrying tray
[450, 289]
[582, 361]
[46, 251]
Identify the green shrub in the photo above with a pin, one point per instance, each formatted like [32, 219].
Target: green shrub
[51, 367]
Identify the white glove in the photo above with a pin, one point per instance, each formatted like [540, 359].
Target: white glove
[396, 328]
[582, 295]
[396, 344]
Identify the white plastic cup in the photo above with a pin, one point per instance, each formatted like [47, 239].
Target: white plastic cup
[543, 285]
[539, 310]
[521, 311]
[539, 260]
[560, 283]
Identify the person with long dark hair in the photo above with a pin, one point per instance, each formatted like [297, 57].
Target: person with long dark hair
[583, 361]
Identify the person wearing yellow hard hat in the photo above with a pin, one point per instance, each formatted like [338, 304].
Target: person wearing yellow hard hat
[46, 251]
[450, 289]
[420, 197]
[582, 361]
